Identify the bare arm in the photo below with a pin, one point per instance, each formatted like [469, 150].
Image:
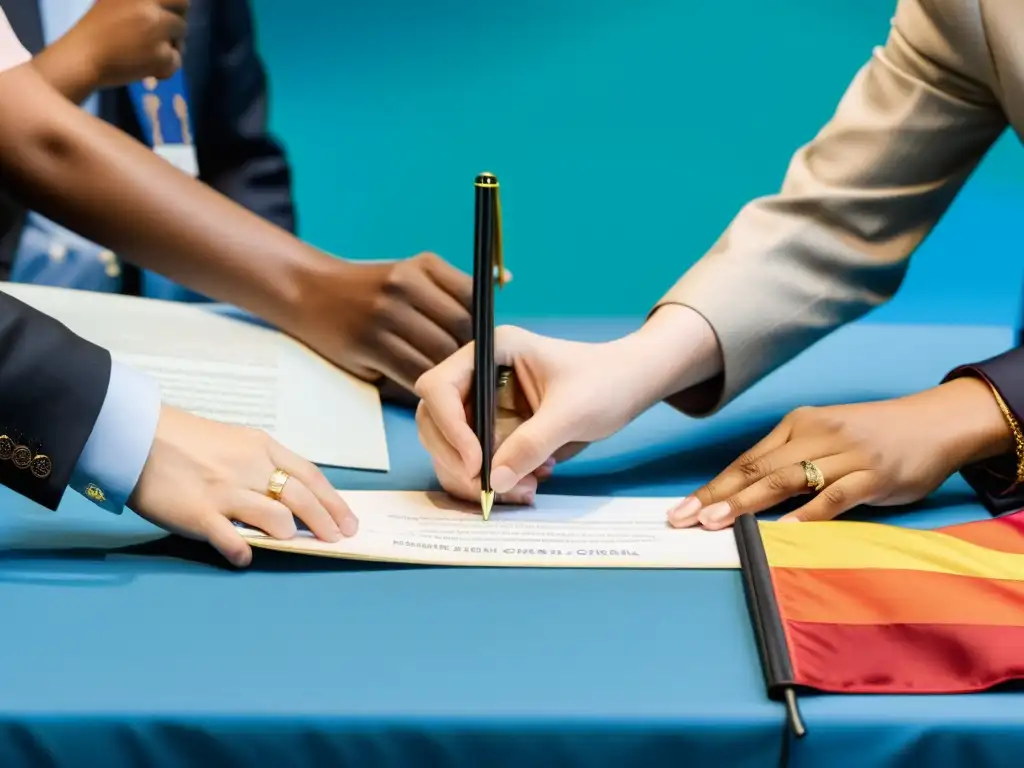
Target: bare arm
[66, 65]
[94, 179]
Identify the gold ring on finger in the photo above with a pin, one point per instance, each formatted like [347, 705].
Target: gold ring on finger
[815, 480]
[275, 487]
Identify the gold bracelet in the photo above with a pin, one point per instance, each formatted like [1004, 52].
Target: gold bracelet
[1018, 436]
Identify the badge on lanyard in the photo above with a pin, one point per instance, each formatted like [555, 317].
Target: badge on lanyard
[162, 109]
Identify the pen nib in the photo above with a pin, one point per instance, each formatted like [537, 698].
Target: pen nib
[486, 502]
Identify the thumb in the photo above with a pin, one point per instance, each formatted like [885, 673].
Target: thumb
[531, 444]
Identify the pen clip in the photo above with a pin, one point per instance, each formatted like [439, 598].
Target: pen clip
[498, 273]
[499, 255]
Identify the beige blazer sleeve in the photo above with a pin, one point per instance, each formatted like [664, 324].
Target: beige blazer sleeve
[855, 203]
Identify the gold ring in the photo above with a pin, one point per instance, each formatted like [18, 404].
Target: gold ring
[276, 485]
[815, 480]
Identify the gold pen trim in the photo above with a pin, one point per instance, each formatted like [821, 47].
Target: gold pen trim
[486, 503]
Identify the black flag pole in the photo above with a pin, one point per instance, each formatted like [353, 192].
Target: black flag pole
[764, 615]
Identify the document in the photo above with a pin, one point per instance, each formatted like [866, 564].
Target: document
[229, 370]
[558, 532]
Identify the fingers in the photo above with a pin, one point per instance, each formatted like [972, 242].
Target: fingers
[305, 506]
[172, 29]
[443, 392]
[262, 512]
[454, 282]
[776, 487]
[437, 445]
[225, 538]
[406, 363]
[175, 27]
[545, 470]
[749, 466]
[467, 488]
[780, 484]
[315, 495]
[423, 331]
[463, 484]
[841, 496]
[446, 309]
[169, 62]
[531, 445]
[180, 7]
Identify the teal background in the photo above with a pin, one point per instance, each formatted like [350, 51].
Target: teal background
[626, 136]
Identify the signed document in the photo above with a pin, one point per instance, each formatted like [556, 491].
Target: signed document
[229, 370]
[423, 528]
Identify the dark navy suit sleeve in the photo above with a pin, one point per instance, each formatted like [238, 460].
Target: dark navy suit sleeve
[53, 385]
[237, 154]
[995, 480]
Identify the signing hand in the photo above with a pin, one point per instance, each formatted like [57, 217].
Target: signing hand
[568, 394]
[882, 453]
[394, 320]
[202, 474]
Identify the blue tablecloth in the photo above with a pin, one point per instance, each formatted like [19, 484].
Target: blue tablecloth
[123, 649]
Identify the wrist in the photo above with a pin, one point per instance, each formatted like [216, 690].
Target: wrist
[676, 349]
[972, 426]
[300, 294]
[71, 66]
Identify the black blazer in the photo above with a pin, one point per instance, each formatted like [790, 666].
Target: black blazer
[53, 384]
[995, 480]
[228, 104]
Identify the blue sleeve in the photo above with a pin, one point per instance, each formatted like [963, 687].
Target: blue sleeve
[117, 450]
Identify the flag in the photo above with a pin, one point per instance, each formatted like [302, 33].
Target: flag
[851, 607]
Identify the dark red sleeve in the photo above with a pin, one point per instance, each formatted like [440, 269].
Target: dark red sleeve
[995, 480]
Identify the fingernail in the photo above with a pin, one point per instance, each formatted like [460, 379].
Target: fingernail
[716, 513]
[529, 499]
[685, 511]
[550, 463]
[789, 519]
[349, 526]
[503, 480]
[335, 534]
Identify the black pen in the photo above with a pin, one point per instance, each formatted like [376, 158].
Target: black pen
[487, 266]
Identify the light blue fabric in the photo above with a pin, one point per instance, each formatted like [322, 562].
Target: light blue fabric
[49, 254]
[119, 445]
[406, 666]
[58, 17]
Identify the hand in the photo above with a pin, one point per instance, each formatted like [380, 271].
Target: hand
[568, 394]
[201, 475]
[394, 320]
[883, 453]
[127, 40]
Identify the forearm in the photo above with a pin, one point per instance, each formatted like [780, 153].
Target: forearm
[92, 178]
[675, 350]
[995, 472]
[976, 428]
[66, 66]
